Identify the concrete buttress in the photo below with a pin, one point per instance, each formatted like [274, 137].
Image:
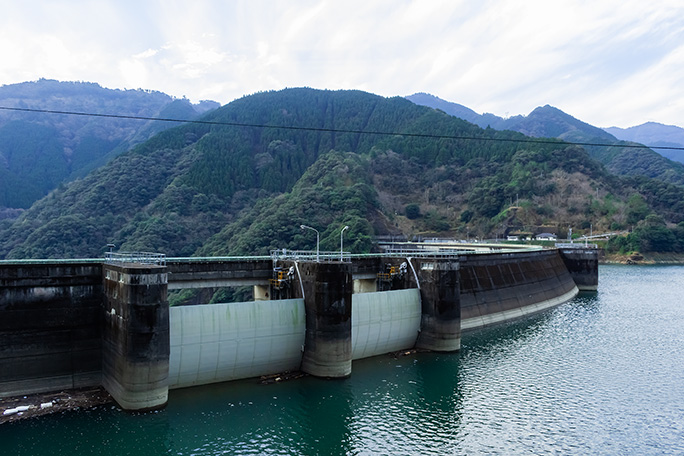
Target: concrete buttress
[327, 299]
[135, 345]
[440, 328]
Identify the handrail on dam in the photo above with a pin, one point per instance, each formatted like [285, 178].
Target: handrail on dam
[158, 259]
[52, 261]
[308, 255]
[570, 245]
[403, 253]
[400, 251]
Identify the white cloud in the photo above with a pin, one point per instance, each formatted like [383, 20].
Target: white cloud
[608, 62]
[146, 54]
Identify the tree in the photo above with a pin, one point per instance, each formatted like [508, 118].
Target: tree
[637, 209]
[412, 211]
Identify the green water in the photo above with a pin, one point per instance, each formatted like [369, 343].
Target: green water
[603, 374]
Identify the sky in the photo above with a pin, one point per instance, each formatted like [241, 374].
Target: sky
[605, 62]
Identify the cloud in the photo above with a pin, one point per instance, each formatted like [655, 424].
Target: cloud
[608, 62]
[146, 54]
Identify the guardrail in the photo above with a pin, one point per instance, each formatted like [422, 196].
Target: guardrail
[441, 253]
[306, 255]
[52, 261]
[466, 247]
[309, 255]
[570, 245]
[158, 259]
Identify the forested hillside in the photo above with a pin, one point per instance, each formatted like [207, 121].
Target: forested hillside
[219, 188]
[549, 122]
[38, 151]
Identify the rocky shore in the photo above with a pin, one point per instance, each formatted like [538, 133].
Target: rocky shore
[643, 258]
[29, 406]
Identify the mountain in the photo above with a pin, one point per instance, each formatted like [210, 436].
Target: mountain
[549, 122]
[543, 122]
[39, 151]
[218, 188]
[654, 134]
[453, 109]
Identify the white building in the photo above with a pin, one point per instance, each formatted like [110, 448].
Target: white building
[546, 237]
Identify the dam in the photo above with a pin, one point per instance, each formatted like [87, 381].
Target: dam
[76, 323]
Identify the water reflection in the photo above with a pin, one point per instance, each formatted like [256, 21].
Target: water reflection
[324, 416]
[296, 417]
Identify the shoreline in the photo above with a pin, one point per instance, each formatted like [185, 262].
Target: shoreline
[42, 404]
[34, 405]
[637, 258]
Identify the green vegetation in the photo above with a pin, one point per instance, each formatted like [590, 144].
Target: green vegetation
[39, 151]
[650, 235]
[201, 189]
[333, 193]
[412, 211]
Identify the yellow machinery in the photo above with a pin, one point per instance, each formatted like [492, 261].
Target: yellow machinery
[389, 274]
[392, 278]
[281, 283]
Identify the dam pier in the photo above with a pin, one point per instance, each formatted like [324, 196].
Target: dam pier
[79, 323]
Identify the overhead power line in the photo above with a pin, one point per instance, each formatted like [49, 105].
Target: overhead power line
[338, 130]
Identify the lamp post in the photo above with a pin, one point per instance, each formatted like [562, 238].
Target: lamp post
[341, 250]
[318, 238]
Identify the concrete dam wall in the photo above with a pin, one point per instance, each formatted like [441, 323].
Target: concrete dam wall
[231, 341]
[582, 264]
[384, 322]
[50, 319]
[502, 287]
[221, 342]
[66, 325]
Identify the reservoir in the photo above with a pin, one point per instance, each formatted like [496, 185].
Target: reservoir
[601, 374]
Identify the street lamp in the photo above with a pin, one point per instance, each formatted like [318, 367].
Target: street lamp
[341, 234]
[318, 238]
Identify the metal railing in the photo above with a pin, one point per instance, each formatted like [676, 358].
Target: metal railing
[299, 255]
[455, 246]
[576, 245]
[441, 253]
[217, 259]
[445, 252]
[310, 255]
[51, 261]
[158, 259]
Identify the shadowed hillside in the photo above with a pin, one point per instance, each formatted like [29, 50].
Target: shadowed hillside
[38, 152]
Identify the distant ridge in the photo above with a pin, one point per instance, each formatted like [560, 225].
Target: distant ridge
[654, 134]
[453, 109]
[550, 122]
[543, 122]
